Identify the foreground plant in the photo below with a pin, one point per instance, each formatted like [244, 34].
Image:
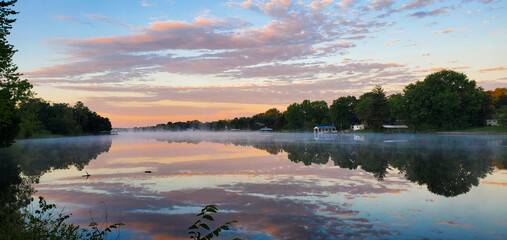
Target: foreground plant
[45, 223]
[203, 217]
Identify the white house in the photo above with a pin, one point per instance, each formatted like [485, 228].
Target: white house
[491, 122]
[358, 127]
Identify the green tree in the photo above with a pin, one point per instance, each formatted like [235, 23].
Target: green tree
[280, 122]
[9, 120]
[12, 88]
[379, 110]
[270, 117]
[373, 108]
[81, 114]
[315, 113]
[363, 107]
[341, 111]
[30, 122]
[396, 108]
[501, 114]
[444, 100]
[295, 117]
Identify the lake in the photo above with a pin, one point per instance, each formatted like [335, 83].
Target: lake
[276, 185]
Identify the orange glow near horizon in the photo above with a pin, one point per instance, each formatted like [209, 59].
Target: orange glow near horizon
[129, 118]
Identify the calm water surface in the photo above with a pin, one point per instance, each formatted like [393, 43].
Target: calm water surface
[279, 186]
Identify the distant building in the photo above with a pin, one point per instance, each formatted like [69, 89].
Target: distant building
[390, 128]
[324, 129]
[358, 127]
[265, 129]
[491, 122]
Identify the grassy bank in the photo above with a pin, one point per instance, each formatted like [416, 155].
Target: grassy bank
[45, 134]
[489, 129]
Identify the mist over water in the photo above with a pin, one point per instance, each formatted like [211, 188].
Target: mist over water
[278, 185]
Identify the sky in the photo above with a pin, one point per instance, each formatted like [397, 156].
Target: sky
[143, 62]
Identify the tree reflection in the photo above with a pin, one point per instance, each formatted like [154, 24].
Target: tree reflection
[449, 166]
[36, 157]
[32, 158]
[308, 153]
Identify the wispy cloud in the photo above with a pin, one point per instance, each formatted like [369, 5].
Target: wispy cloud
[110, 20]
[72, 19]
[145, 3]
[457, 68]
[450, 30]
[431, 69]
[501, 68]
[435, 12]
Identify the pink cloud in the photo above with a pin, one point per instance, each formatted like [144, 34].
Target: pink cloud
[381, 4]
[62, 17]
[450, 223]
[417, 4]
[495, 183]
[450, 30]
[223, 46]
[501, 68]
[431, 69]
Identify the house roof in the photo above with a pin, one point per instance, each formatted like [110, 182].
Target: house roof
[394, 126]
[324, 127]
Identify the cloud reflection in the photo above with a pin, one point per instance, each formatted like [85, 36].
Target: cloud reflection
[284, 186]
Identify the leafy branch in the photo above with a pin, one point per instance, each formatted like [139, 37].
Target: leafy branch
[204, 218]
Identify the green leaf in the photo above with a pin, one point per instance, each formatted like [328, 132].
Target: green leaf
[209, 217]
[209, 236]
[203, 225]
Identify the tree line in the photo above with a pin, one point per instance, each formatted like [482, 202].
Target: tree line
[22, 115]
[59, 118]
[444, 100]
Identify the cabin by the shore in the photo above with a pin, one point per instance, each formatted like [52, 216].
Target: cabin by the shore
[358, 127]
[491, 122]
[324, 129]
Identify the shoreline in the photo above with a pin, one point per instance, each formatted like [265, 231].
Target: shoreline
[471, 133]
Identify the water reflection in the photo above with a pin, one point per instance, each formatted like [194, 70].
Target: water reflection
[26, 161]
[448, 165]
[283, 186]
